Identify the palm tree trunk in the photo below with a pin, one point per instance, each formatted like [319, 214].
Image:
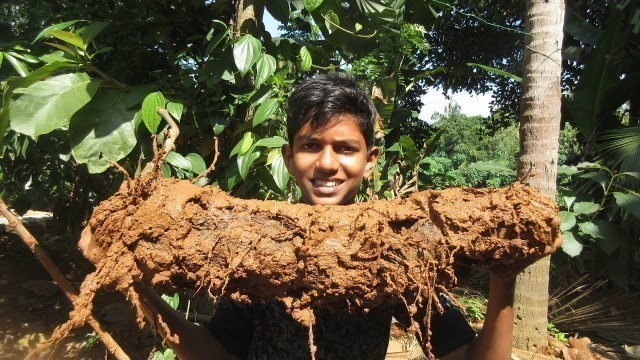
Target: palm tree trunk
[539, 131]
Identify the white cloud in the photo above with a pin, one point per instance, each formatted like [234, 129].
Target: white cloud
[470, 104]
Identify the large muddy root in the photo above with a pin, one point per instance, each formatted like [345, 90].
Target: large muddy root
[179, 236]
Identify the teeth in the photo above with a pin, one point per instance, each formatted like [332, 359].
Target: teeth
[326, 183]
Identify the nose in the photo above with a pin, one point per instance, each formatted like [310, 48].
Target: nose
[328, 160]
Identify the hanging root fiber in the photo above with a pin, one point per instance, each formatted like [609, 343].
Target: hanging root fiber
[179, 236]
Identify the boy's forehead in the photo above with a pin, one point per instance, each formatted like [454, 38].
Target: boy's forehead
[344, 123]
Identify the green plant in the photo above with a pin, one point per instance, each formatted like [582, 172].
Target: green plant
[557, 334]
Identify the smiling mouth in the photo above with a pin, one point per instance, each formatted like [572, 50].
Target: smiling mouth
[326, 183]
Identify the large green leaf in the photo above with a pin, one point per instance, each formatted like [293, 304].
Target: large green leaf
[265, 67]
[567, 220]
[629, 202]
[585, 207]
[68, 37]
[599, 78]
[265, 111]
[271, 142]
[149, 111]
[198, 166]
[49, 104]
[571, 244]
[103, 130]
[59, 26]
[305, 59]
[279, 171]
[38, 74]
[607, 235]
[20, 67]
[246, 52]
[245, 161]
[576, 26]
[178, 161]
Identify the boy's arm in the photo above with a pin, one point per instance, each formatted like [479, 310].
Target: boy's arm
[195, 342]
[494, 341]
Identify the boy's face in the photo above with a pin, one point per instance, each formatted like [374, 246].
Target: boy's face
[330, 162]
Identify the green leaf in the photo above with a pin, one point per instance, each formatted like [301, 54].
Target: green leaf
[331, 21]
[20, 67]
[198, 166]
[49, 104]
[149, 111]
[103, 130]
[245, 160]
[358, 27]
[166, 170]
[311, 5]
[59, 26]
[243, 145]
[68, 37]
[279, 171]
[173, 301]
[629, 202]
[496, 71]
[576, 26]
[38, 74]
[271, 142]
[305, 59]
[409, 150]
[1, 57]
[246, 52]
[568, 170]
[279, 9]
[608, 235]
[265, 67]
[92, 30]
[599, 177]
[175, 109]
[265, 111]
[178, 161]
[567, 220]
[218, 124]
[586, 207]
[568, 196]
[272, 154]
[570, 244]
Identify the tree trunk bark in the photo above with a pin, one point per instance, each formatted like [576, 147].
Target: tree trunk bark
[539, 131]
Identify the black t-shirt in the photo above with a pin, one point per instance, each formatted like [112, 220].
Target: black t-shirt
[267, 331]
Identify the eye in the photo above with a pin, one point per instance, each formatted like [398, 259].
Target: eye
[309, 146]
[345, 149]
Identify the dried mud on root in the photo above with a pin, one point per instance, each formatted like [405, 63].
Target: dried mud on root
[179, 236]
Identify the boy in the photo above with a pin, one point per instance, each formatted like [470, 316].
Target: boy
[330, 124]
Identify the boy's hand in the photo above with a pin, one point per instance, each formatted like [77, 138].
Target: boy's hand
[88, 247]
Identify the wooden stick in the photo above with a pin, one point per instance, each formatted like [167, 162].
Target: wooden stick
[57, 276]
[213, 163]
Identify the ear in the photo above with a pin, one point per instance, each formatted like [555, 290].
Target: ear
[287, 155]
[372, 160]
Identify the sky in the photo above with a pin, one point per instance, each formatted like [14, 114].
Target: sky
[433, 100]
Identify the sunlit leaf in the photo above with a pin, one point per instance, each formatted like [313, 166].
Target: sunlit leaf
[246, 160]
[59, 26]
[103, 130]
[331, 21]
[279, 171]
[68, 37]
[271, 142]
[586, 207]
[305, 59]
[178, 161]
[198, 166]
[567, 220]
[246, 52]
[311, 5]
[265, 111]
[570, 244]
[175, 109]
[20, 67]
[265, 67]
[149, 112]
[608, 236]
[49, 104]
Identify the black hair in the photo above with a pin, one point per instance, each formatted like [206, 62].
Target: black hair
[318, 99]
